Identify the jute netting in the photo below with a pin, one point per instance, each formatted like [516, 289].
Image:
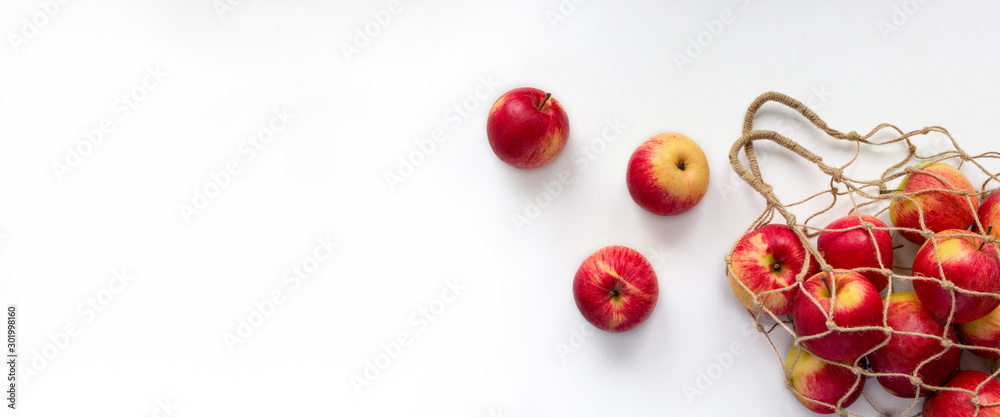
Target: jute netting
[862, 195]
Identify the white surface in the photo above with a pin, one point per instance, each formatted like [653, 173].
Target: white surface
[493, 350]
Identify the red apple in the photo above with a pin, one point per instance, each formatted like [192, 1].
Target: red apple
[959, 402]
[527, 128]
[667, 174]
[968, 263]
[943, 209]
[859, 241]
[766, 262]
[615, 289]
[905, 352]
[989, 214]
[982, 332]
[819, 385]
[855, 303]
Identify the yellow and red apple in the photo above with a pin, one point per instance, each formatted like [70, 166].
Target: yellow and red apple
[967, 263]
[764, 266]
[989, 214]
[615, 289]
[855, 304]
[858, 241]
[936, 190]
[527, 128]
[957, 401]
[982, 332]
[667, 174]
[818, 384]
[905, 352]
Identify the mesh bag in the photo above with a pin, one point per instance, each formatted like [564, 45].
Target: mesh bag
[871, 197]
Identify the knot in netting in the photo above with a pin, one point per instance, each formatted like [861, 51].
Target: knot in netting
[837, 175]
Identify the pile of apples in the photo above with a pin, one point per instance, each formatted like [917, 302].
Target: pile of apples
[911, 341]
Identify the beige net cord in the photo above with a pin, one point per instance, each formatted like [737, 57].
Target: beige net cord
[862, 194]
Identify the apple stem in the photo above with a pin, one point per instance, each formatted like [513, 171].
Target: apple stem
[897, 247]
[825, 282]
[547, 95]
[989, 229]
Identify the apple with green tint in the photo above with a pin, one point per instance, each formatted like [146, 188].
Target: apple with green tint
[818, 384]
[983, 332]
[764, 265]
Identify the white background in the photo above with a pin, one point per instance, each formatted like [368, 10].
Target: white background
[495, 348]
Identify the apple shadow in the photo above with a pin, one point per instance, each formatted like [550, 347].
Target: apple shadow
[661, 229]
[529, 181]
[621, 347]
